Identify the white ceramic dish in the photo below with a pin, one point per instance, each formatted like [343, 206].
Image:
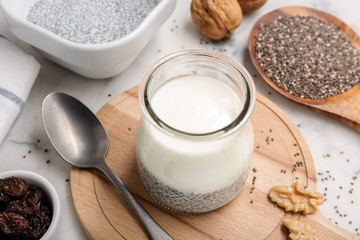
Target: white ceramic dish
[40, 181]
[90, 60]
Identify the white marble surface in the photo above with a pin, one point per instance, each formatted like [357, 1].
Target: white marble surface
[323, 135]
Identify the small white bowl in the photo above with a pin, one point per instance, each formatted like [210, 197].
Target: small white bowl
[40, 181]
[90, 60]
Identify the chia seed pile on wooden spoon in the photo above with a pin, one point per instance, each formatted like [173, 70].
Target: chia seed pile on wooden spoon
[307, 57]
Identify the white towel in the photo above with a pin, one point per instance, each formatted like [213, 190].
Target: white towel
[18, 71]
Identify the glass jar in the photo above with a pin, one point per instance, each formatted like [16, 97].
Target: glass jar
[195, 140]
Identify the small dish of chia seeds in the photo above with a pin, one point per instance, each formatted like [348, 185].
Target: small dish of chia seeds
[310, 57]
[96, 39]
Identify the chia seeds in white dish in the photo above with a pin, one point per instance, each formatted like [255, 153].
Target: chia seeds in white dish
[307, 57]
[90, 21]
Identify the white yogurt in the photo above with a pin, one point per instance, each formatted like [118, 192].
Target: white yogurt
[195, 104]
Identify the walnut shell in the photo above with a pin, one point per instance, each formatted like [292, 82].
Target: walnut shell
[216, 19]
[251, 5]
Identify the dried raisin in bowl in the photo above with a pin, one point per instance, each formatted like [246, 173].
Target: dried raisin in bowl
[48, 188]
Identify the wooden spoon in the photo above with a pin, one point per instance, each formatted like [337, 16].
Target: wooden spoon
[345, 106]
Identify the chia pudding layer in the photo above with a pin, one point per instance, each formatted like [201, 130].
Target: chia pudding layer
[190, 202]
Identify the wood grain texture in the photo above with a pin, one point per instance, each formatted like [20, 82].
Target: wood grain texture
[344, 107]
[104, 214]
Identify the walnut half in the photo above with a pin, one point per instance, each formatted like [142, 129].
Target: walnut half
[216, 19]
[299, 230]
[296, 198]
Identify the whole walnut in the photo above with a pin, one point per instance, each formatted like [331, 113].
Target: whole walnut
[216, 19]
[251, 5]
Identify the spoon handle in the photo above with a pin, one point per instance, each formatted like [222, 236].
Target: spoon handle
[154, 230]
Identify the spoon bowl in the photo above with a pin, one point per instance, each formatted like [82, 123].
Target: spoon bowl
[344, 107]
[85, 141]
[80, 138]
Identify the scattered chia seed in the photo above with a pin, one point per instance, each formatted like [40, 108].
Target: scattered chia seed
[66, 180]
[48, 161]
[29, 151]
[46, 150]
[91, 21]
[307, 57]
[251, 201]
[254, 170]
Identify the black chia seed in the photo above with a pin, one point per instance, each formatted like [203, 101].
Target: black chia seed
[307, 57]
[91, 21]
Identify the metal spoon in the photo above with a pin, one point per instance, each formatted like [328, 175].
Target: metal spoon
[80, 138]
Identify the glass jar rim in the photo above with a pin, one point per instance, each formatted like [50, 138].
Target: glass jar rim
[239, 121]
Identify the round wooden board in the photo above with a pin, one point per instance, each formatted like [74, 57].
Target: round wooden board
[104, 214]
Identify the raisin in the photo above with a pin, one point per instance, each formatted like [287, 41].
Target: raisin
[13, 186]
[4, 200]
[12, 223]
[28, 204]
[38, 225]
[46, 210]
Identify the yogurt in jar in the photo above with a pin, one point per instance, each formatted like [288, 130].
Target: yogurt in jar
[194, 174]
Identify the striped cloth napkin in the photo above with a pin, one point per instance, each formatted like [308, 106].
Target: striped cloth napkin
[18, 72]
